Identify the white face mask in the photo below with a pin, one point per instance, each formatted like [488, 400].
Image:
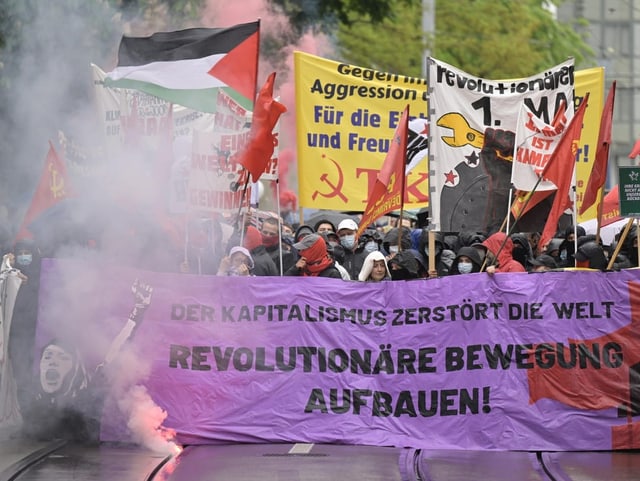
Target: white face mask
[393, 249]
[465, 267]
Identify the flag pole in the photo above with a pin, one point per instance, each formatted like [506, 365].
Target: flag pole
[403, 186]
[599, 215]
[509, 231]
[623, 236]
[279, 222]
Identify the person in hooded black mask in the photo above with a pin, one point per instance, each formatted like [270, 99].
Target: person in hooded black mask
[591, 255]
[403, 266]
[567, 248]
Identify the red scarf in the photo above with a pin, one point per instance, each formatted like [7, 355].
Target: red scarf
[317, 258]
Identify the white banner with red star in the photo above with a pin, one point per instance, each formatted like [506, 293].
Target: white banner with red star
[472, 139]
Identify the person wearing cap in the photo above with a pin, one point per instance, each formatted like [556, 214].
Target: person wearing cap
[354, 254]
[324, 225]
[314, 259]
[375, 268]
[498, 249]
[238, 263]
[543, 263]
[336, 252]
[302, 231]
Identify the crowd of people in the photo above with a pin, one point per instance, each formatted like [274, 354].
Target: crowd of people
[398, 250]
[264, 244]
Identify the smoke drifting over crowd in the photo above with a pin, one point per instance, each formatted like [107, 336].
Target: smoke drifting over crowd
[49, 96]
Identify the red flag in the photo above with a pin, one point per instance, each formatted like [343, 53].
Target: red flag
[635, 151]
[573, 379]
[52, 188]
[388, 191]
[559, 170]
[266, 113]
[599, 169]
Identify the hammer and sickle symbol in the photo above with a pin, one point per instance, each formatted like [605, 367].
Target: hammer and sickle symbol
[336, 189]
[56, 183]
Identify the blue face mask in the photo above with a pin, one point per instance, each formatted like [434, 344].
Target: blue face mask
[371, 246]
[24, 259]
[465, 267]
[348, 241]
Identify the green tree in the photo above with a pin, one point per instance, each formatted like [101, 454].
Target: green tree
[487, 38]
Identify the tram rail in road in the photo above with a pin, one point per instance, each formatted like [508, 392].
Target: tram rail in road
[60, 461]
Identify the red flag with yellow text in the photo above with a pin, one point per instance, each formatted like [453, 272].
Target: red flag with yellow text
[560, 168]
[52, 188]
[598, 174]
[388, 192]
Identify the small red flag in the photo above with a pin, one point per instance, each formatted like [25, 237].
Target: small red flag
[52, 188]
[560, 169]
[255, 158]
[599, 170]
[388, 191]
[635, 151]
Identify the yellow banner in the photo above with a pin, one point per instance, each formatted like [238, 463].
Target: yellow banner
[592, 81]
[346, 117]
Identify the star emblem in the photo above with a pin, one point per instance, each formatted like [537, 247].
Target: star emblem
[450, 177]
[472, 159]
[633, 175]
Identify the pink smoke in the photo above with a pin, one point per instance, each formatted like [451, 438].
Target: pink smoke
[145, 420]
[222, 13]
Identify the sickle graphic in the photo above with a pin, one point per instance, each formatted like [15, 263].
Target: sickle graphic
[336, 189]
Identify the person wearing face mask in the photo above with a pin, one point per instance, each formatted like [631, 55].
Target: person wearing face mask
[25, 313]
[444, 257]
[498, 248]
[276, 247]
[314, 260]
[262, 261]
[467, 261]
[238, 263]
[354, 253]
[567, 248]
[390, 241]
[370, 241]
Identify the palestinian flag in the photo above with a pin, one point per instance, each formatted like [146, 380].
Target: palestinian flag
[187, 66]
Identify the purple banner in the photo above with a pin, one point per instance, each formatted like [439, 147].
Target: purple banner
[510, 362]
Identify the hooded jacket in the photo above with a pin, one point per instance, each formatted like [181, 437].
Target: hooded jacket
[367, 267]
[470, 252]
[506, 263]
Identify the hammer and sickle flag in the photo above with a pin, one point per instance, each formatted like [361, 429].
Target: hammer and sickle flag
[52, 188]
[388, 192]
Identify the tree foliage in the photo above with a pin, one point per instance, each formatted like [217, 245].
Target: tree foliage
[487, 38]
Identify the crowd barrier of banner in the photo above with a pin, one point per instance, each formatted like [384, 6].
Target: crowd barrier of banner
[509, 362]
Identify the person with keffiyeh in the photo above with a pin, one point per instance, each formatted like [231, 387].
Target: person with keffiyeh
[314, 259]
